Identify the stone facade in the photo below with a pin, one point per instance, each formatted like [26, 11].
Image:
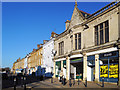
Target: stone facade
[84, 23]
[35, 59]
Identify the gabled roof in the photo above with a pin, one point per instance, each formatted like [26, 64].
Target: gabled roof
[83, 13]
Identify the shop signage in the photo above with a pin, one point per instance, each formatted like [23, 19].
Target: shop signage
[113, 71]
[108, 54]
[76, 60]
[104, 71]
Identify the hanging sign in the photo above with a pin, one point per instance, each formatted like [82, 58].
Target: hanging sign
[113, 71]
[104, 71]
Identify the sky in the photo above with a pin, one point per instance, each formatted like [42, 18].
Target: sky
[26, 24]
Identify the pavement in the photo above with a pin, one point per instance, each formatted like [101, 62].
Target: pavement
[56, 84]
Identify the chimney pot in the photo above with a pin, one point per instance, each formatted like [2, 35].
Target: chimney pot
[38, 46]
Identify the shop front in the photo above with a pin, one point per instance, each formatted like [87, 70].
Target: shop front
[57, 68]
[76, 68]
[108, 63]
[91, 68]
[64, 68]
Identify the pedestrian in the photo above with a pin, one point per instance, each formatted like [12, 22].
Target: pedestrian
[61, 74]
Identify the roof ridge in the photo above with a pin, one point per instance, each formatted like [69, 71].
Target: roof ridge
[84, 12]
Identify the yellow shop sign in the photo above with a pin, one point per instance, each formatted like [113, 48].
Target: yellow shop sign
[104, 71]
[113, 71]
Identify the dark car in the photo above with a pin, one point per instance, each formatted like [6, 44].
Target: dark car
[4, 76]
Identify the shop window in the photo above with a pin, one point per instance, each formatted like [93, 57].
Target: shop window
[109, 66]
[103, 61]
[113, 60]
[91, 62]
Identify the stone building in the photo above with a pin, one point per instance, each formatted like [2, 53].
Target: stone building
[35, 59]
[89, 46]
[18, 66]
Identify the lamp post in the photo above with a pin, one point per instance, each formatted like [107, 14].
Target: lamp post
[70, 84]
[15, 83]
[24, 83]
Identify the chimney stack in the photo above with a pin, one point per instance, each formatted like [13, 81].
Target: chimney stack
[53, 34]
[67, 24]
[38, 46]
[45, 41]
[33, 50]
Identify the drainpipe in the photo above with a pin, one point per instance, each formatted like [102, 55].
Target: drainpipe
[119, 23]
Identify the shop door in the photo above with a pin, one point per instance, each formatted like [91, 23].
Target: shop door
[58, 68]
[64, 68]
[92, 73]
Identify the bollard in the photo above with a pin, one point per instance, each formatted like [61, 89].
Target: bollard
[70, 84]
[52, 80]
[63, 80]
[73, 81]
[21, 81]
[15, 83]
[78, 81]
[86, 82]
[24, 83]
[43, 77]
[102, 82]
[117, 83]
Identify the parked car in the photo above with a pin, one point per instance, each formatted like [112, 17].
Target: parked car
[4, 76]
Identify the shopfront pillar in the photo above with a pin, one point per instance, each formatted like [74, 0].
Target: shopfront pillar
[54, 69]
[97, 68]
[84, 67]
[119, 68]
[68, 68]
[62, 65]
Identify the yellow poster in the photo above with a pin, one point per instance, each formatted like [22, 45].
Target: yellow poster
[104, 71]
[113, 71]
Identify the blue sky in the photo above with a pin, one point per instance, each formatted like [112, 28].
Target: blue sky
[26, 24]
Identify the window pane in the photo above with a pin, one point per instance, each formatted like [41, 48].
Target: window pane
[75, 41]
[75, 35]
[75, 44]
[71, 43]
[62, 48]
[59, 48]
[106, 24]
[106, 31]
[106, 34]
[79, 41]
[96, 35]
[101, 36]
[101, 25]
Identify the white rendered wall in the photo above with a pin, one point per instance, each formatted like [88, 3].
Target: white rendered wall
[47, 56]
